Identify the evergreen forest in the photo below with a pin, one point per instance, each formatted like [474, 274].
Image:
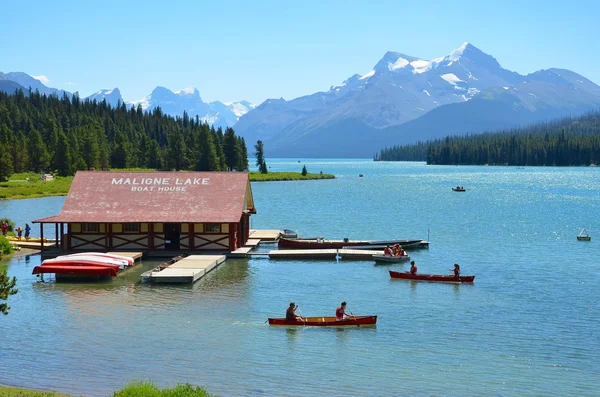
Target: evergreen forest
[564, 142]
[42, 133]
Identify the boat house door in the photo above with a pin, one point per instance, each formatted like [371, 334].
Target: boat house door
[172, 231]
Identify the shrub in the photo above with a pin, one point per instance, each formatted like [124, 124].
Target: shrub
[149, 389]
[5, 246]
[11, 224]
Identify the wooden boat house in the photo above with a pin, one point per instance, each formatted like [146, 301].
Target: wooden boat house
[152, 211]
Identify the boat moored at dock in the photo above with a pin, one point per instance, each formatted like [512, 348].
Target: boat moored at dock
[70, 270]
[354, 321]
[321, 243]
[440, 278]
[390, 258]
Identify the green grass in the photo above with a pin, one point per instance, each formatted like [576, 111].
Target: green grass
[287, 176]
[12, 392]
[148, 389]
[29, 185]
[134, 389]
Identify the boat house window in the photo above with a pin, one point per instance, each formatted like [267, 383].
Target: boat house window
[212, 228]
[90, 227]
[131, 227]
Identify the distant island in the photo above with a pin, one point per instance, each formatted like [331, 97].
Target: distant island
[565, 142]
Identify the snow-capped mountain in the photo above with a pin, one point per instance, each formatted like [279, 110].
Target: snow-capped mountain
[351, 118]
[175, 103]
[112, 97]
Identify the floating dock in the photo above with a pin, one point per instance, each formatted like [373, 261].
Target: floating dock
[265, 236]
[187, 270]
[351, 254]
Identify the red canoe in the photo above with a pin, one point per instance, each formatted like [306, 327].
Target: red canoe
[74, 263]
[355, 321]
[79, 270]
[432, 277]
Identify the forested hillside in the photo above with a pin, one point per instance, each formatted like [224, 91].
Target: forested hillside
[46, 133]
[568, 141]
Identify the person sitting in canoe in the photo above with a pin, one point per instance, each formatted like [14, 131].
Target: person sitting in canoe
[387, 251]
[340, 312]
[413, 268]
[290, 313]
[456, 270]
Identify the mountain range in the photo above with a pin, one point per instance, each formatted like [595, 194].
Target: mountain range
[176, 103]
[404, 99]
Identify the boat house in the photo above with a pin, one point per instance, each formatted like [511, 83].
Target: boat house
[153, 211]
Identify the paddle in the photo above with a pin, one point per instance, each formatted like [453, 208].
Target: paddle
[301, 316]
[352, 314]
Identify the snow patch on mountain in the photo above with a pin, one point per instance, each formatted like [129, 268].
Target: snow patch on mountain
[456, 54]
[399, 64]
[451, 78]
[366, 76]
[420, 66]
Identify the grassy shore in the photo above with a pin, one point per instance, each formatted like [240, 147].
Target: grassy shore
[135, 389]
[12, 392]
[287, 176]
[29, 185]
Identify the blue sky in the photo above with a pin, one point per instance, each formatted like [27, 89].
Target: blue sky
[254, 50]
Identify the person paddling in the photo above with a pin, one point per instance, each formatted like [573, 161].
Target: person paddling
[413, 268]
[340, 312]
[290, 314]
[456, 270]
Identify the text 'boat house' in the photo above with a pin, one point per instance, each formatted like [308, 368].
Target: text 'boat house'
[170, 211]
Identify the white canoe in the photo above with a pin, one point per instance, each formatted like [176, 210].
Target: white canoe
[89, 258]
[127, 259]
[390, 259]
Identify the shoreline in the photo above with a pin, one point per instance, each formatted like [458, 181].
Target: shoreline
[40, 189]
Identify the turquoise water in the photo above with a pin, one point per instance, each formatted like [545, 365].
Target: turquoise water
[528, 326]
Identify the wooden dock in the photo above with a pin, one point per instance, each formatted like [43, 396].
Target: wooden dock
[133, 255]
[188, 270]
[265, 236]
[349, 254]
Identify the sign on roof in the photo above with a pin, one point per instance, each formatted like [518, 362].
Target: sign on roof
[115, 197]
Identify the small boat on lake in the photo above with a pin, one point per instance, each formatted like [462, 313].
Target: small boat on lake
[459, 189]
[584, 236]
[287, 233]
[321, 243]
[390, 258]
[355, 321]
[432, 277]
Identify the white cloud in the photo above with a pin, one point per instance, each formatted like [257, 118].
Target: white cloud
[71, 83]
[43, 79]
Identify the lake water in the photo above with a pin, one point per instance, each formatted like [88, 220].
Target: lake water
[528, 326]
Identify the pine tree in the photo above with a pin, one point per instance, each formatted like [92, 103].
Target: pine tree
[7, 287]
[260, 158]
[304, 171]
[231, 149]
[39, 158]
[62, 161]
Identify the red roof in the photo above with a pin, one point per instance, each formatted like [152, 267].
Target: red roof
[122, 197]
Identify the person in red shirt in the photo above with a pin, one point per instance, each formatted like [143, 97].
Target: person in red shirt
[290, 314]
[413, 268]
[340, 312]
[387, 251]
